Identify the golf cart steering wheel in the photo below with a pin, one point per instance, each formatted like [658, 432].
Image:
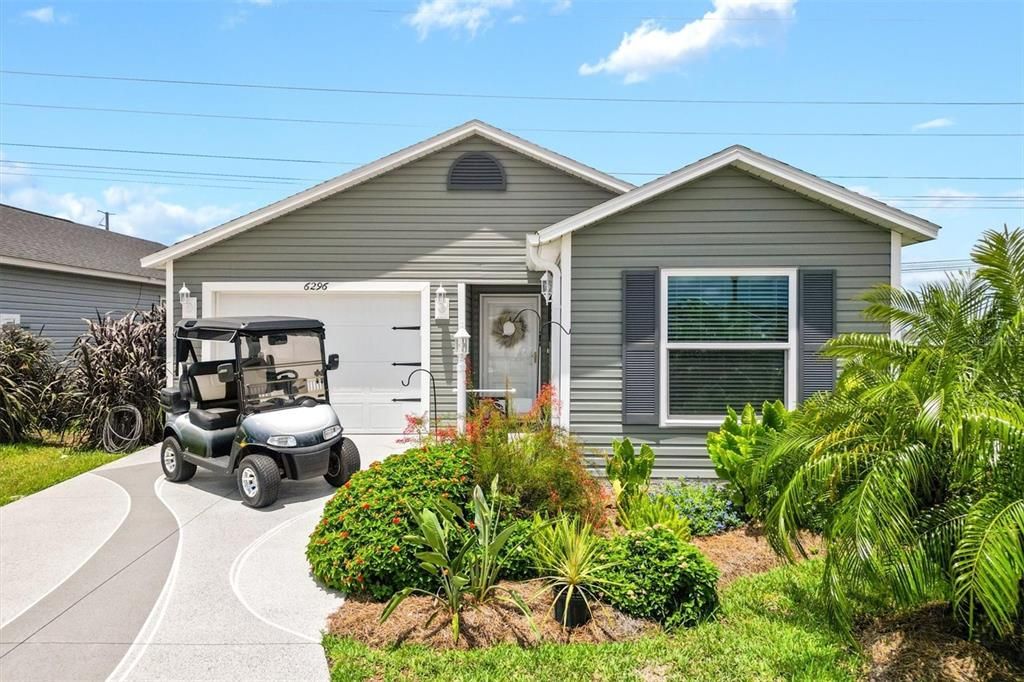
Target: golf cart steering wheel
[289, 375]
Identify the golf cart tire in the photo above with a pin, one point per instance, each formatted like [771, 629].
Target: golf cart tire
[267, 477]
[350, 463]
[178, 470]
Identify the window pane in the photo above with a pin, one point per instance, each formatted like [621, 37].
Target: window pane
[705, 382]
[728, 308]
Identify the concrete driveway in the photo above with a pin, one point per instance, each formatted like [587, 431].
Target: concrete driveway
[119, 574]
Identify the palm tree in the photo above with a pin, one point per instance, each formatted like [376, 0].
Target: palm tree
[918, 454]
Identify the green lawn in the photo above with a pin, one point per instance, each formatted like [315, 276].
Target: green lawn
[772, 626]
[26, 468]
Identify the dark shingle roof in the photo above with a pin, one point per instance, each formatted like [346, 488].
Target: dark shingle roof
[34, 236]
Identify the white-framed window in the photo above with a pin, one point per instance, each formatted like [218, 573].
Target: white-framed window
[728, 337]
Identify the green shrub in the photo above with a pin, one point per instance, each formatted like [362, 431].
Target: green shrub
[520, 559]
[629, 471]
[707, 506]
[738, 445]
[541, 469]
[359, 545]
[648, 511]
[658, 576]
[27, 368]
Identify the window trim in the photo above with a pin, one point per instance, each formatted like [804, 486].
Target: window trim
[789, 346]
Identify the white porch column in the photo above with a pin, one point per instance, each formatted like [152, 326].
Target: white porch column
[460, 362]
[895, 269]
[169, 297]
[564, 339]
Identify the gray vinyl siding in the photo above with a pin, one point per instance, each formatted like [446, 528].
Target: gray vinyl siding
[728, 219]
[406, 225]
[56, 302]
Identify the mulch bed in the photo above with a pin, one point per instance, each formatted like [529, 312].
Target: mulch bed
[418, 621]
[745, 551]
[927, 645]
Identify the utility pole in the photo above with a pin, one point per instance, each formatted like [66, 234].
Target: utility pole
[106, 218]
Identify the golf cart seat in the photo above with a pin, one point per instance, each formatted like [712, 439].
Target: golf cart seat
[216, 402]
[214, 418]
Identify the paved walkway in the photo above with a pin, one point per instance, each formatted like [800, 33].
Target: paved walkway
[120, 574]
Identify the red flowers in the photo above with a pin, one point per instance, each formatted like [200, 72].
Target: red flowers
[397, 520]
[472, 526]
[343, 534]
[366, 505]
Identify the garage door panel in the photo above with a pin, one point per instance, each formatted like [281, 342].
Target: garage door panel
[359, 328]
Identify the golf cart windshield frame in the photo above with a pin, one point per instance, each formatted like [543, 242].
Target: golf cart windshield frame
[185, 350]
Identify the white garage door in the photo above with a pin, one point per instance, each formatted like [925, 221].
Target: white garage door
[360, 326]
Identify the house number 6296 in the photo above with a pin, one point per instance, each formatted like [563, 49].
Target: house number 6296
[315, 286]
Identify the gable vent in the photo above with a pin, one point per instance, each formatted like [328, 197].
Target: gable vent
[476, 170]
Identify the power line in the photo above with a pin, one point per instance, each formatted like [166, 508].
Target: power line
[353, 163]
[14, 166]
[584, 131]
[500, 96]
[4, 171]
[192, 154]
[158, 170]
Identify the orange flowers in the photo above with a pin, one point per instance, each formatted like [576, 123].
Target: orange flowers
[343, 534]
[395, 548]
[366, 505]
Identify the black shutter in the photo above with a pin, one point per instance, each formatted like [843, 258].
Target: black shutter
[640, 347]
[817, 313]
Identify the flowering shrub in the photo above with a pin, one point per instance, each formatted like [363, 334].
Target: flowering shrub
[656, 575]
[540, 468]
[359, 545]
[707, 506]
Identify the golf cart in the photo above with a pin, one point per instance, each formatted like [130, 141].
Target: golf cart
[260, 412]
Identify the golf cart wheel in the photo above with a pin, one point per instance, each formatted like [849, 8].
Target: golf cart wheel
[174, 465]
[258, 480]
[343, 462]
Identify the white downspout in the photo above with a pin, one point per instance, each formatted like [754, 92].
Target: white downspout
[535, 261]
[460, 368]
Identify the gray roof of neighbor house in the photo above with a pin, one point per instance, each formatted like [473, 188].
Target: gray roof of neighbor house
[33, 239]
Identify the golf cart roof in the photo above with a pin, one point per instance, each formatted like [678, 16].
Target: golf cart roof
[250, 325]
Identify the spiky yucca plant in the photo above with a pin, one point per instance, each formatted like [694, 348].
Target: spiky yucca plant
[118, 361]
[920, 449]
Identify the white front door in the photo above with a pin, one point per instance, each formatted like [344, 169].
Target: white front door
[510, 350]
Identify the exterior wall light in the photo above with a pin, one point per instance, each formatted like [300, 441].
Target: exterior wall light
[441, 306]
[545, 286]
[188, 303]
[461, 344]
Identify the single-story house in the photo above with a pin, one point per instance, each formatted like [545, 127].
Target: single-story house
[55, 272]
[711, 286]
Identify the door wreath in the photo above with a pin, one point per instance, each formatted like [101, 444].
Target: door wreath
[507, 330]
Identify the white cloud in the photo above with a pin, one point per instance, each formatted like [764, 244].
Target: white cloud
[261, 3]
[651, 48]
[45, 15]
[457, 15]
[516, 19]
[934, 123]
[560, 6]
[140, 212]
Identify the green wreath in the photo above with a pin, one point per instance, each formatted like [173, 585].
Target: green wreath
[508, 331]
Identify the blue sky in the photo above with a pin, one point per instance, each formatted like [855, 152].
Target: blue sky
[694, 49]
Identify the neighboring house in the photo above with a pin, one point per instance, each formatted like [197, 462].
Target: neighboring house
[713, 285]
[54, 273]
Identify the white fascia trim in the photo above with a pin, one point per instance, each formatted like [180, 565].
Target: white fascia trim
[789, 346]
[379, 167]
[211, 289]
[70, 269]
[746, 159]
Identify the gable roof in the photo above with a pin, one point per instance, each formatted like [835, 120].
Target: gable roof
[35, 240]
[913, 228]
[383, 165]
